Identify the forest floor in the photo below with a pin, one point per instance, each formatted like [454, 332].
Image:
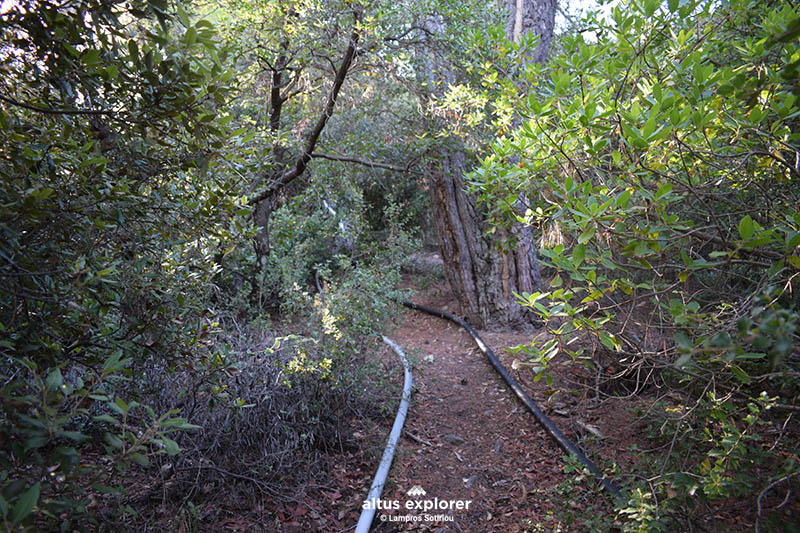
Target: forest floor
[467, 438]
[470, 442]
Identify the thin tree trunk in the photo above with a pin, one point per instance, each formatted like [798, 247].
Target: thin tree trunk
[280, 176]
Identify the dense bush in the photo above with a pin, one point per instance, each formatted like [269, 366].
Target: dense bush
[331, 268]
[109, 126]
[660, 163]
[131, 345]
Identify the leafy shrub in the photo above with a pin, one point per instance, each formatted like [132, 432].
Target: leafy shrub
[663, 157]
[109, 128]
[358, 281]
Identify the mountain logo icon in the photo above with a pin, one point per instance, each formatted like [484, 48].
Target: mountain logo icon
[416, 490]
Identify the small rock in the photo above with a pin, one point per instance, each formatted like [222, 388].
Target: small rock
[594, 430]
[454, 439]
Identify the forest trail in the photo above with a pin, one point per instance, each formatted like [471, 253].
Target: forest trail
[467, 438]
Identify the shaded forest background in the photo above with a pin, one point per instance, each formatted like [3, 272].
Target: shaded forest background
[207, 207]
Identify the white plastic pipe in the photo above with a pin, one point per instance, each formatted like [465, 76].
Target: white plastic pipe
[367, 514]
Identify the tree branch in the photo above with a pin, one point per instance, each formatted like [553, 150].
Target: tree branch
[364, 162]
[302, 162]
[56, 111]
[766, 254]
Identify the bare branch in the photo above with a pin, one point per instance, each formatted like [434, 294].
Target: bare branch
[56, 111]
[302, 162]
[364, 162]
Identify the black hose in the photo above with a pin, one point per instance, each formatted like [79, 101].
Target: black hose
[542, 418]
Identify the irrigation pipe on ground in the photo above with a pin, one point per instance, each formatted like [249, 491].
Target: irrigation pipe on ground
[542, 418]
[367, 514]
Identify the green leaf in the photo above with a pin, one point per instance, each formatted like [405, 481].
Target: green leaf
[55, 379]
[587, 235]
[133, 50]
[683, 341]
[112, 71]
[25, 504]
[741, 374]
[746, 227]
[105, 489]
[641, 248]
[107, 418]
[120, 406]
[183, 15]
[650, 7]
[609, 341]
[140, 459]
[170, 446]
[751, 355]
[180, 423]
[77, 436]
[791, 33]
[91, 58]
[113, 441]
[622, 199]
[683, 360]
[115, 362]
[578, 254]
[191, 36]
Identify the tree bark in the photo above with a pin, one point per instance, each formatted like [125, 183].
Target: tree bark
[535, 17]
[483, 277]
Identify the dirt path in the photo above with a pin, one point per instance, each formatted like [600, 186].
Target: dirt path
[466, 439]
[474, 441]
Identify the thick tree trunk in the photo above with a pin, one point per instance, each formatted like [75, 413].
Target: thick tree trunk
[483, 277]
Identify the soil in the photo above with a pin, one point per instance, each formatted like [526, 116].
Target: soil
[476, 442]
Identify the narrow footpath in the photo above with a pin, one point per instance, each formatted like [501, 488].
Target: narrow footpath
[471, 458]
[467, 438]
